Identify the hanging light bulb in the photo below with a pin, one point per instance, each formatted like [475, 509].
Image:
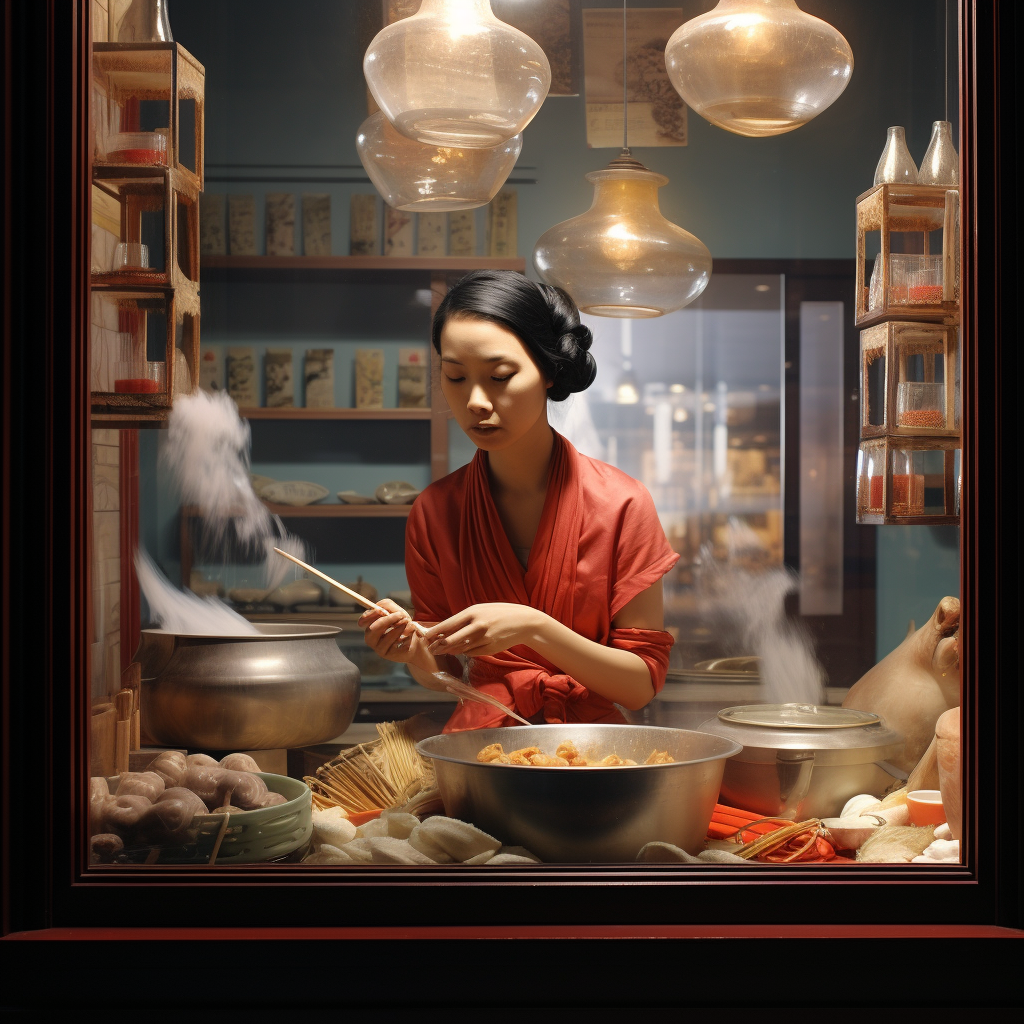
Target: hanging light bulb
[413, 176]
[622, 258]
[454, 75]
[758, 67]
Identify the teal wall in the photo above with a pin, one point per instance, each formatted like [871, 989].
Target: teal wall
[285, 96]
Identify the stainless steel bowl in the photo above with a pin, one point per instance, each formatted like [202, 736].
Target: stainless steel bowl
[574, 815]
[290, 686]
[804, 760]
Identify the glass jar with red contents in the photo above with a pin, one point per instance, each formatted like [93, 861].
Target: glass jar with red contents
[140, 148]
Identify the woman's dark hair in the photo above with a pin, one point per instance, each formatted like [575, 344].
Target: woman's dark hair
[541, 316]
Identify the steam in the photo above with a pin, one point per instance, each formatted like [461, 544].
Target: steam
[207, 458]
[750, 607]
[181, 611]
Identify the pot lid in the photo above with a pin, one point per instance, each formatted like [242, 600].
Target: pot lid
[798, 716]
[834, 735]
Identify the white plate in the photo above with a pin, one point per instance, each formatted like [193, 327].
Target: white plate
[353, 498]
[259, 482]
[294, 492]
[397, 492]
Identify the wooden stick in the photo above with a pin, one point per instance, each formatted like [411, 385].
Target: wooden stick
[355, 595]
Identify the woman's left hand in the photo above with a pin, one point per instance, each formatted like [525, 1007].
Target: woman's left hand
[485, 629]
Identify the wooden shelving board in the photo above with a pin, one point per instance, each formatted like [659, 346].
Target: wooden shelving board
[263, 413]
[333, 511]
[425, 263]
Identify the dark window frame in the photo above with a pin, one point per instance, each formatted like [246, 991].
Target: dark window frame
[46, 589]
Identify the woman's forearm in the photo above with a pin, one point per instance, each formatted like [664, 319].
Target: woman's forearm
[616, 675]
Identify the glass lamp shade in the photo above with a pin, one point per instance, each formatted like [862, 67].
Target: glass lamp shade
[431, 179]
[758, 67]
[454, 75]
[622, 258]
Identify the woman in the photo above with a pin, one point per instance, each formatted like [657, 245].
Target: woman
[540, 565]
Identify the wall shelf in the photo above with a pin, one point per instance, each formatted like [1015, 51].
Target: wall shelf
[342, 263]
[302, 413]
[338, 511]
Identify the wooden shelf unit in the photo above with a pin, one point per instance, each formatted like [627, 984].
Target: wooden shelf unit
[300, 413]
[427, 264]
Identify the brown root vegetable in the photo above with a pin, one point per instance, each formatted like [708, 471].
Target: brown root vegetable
[202, 761]
[104, 847]
[170, 766]
[147, 784]
[914, 684]
[273, 799]
[219, 786]
[123, 814]
[947, 747]
[239, 763]
[170, 817]
[100, 798]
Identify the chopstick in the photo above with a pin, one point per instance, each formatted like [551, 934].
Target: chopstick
[451, 684]
[354, 594]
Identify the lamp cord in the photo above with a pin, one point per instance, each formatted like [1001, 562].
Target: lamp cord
[625, 105]
[945, 54]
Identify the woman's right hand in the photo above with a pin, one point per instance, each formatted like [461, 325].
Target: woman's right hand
[392, 636]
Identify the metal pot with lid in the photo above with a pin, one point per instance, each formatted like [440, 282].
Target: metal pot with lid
[804, 760]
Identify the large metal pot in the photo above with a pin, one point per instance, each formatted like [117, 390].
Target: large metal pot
[290, 686]
[804, 761]
[572, 815]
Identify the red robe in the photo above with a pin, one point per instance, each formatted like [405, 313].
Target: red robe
[599, 544]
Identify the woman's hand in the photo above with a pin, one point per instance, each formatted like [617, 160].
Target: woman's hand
[392, 636]
[484, 629]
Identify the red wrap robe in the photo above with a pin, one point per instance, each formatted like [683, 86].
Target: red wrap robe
[599, 544]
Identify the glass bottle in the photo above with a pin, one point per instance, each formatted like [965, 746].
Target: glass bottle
[412, 176]
[622, 258]
[940, 165]
[453, 74]
[758, 67]
[896, 165]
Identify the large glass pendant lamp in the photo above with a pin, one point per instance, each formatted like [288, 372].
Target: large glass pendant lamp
[622, 258]
[431, 179]
[454, 75]
[758, 67]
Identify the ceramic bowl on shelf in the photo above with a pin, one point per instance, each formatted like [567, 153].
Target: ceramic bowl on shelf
[397, 492]
[293, 492]
[259, 482]
[354, 498]
[295, 593]
[247, 597]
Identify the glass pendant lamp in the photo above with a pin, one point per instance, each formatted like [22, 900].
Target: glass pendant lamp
[454, 75]
[758, 67]
[622, 258]
[431, 179]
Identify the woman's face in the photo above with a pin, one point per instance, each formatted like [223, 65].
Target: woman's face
[491, 382]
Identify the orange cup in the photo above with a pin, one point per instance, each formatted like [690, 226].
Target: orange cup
[925, 806]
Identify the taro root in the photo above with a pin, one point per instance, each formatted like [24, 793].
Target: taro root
[170, 817]
[219, 786]
[147, 784]
[914, 684]
[947, 746]
[100, 799]
[104, 847]
[124, 813]
[272, 800]
[201, 760]
[170, 766]
[239, 763]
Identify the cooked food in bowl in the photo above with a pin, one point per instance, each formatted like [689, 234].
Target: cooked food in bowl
[566, 755]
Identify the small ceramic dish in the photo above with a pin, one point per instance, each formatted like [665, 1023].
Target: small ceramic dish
[851, 833]
[353, 498]
[397, 492]
[293, 492]
[259, 482]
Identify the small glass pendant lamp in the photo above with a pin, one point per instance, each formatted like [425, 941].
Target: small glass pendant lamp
[431, 179]
[455, 75]
[758, 67]
[622, 258]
